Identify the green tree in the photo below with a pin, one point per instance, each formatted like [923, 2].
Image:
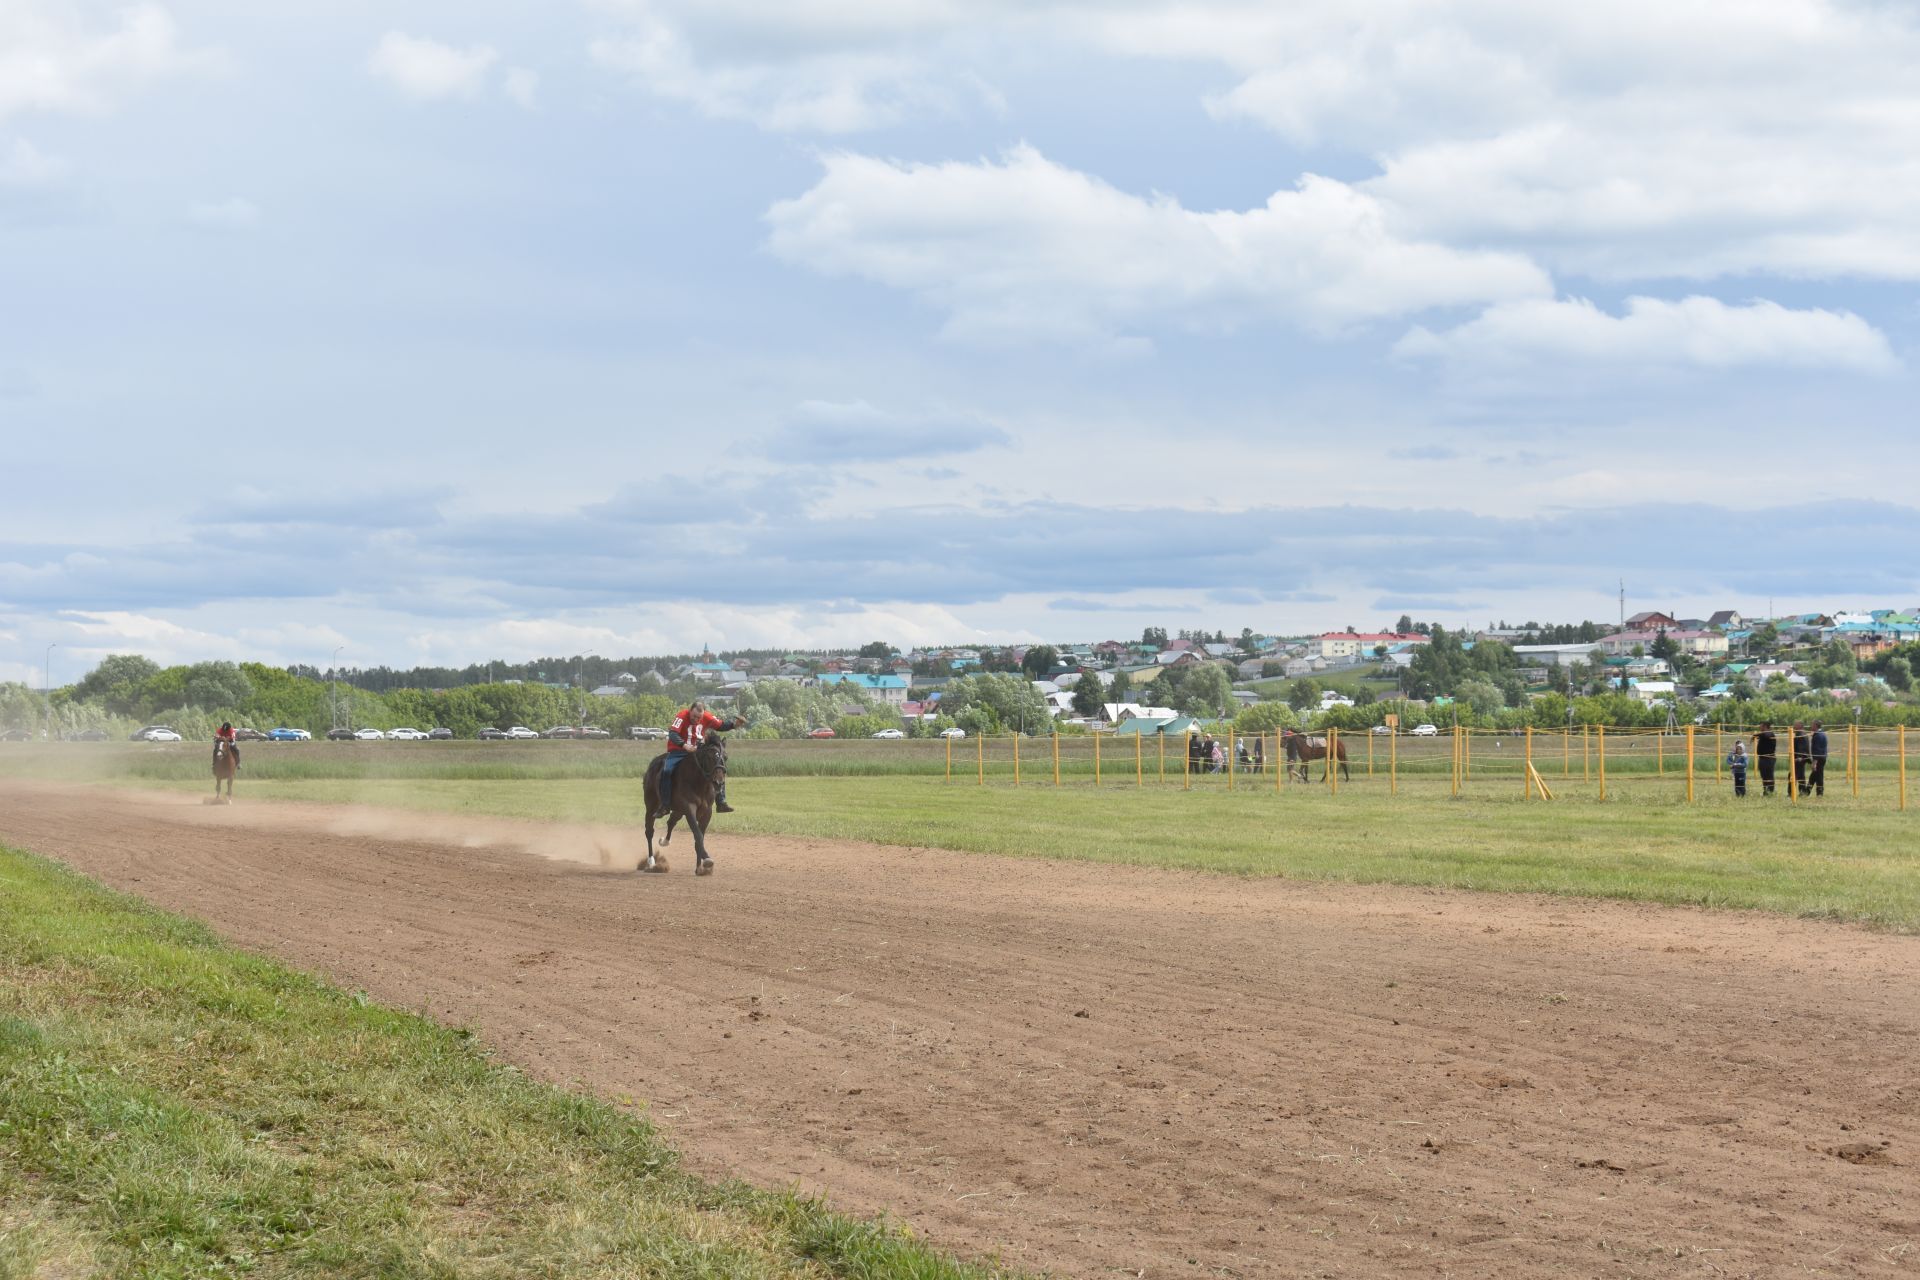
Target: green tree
[216, 686]
[1155, 636]
[1204, 690]
[1898, 674]
[118, 684]
[1664, 647]
[877, 650]
[1089, 693]
[1039, 660]
[1303, 693]
[997, 702]
[1265, 717]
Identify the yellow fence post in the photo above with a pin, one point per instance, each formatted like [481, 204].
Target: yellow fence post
[1279, 761]
[1229, 757]
[980, 753]
[1719, 756]
[1853, 765]
[1660, 751]
[1526, 774]
[1454, 776]
[1600, 733]
[1689, 764]
[1903, 766]
[1056, 756]
[1186, 761]
[1333, 760]
[1161, 738]
[1586, 753]
[1369, 753]
[1096, 757]
[1393, 764]
[1566, 752]
[949, 759]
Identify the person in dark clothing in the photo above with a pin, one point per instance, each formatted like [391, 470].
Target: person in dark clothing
[1817, 759]
[1766, 749]
[1196, 753]
[1260, 754]
[1802, 757]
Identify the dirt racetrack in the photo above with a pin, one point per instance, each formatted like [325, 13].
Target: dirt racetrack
[1095, 1070]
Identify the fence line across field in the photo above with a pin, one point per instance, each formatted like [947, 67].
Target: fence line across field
[1536, 761]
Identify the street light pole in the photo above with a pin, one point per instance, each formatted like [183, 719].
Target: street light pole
[47, 729]
[333, 695]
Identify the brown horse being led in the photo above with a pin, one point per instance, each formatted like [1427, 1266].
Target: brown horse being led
[1302, 749]
[224, 767]
[690, 798]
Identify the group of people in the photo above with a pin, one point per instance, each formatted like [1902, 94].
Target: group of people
[1807, 748]
[1207, 754]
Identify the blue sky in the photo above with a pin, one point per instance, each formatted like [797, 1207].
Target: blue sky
[445, 331]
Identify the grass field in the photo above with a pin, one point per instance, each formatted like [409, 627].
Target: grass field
[171, 1107]
[1839, 857]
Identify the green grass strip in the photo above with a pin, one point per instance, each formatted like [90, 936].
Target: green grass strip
[173, 1107]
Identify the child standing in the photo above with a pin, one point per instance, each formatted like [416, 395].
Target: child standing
[1737, 766]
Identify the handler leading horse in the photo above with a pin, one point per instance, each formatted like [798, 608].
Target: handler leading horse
[695, 784]
[1301, 749]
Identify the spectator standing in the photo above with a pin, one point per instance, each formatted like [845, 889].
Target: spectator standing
[1196, 753]
[1217, 753]
[1260, 754]
[1245, 760]
[1737, 766]
[1817, 759]
[1802, 757]
[1766, 749]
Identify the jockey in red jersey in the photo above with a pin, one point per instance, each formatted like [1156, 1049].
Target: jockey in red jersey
[686, 733]
[225, 734]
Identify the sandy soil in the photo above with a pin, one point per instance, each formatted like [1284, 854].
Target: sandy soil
[1097, 1070]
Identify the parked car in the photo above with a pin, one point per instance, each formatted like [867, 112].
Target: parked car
[521, 731]
[647, 731]
[161, 735]
[140, 735]
[368, 735]
[594, 731]
[1381, 728]
[339, 735]
[821, 733]
[439, 734]
[249, 735]
[406, 734]
[1425, 731]
[490, 734]
[561, 731]
[955, 732]
[284, 734]
[17, 735]
[89, 735]
[891, 733]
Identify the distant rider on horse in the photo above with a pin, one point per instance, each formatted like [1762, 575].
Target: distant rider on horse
[225, 734]
[687, 732]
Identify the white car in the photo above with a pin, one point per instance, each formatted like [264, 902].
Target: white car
[1425, 731]
[1381, 728]
[521, 731]
[955, 732]
[890, 733]
[404, 734]
[369, 735]
[160, 735]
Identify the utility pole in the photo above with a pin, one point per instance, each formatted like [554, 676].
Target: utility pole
[47, 729]
[333, 694]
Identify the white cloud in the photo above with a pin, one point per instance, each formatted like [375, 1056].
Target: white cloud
[24, 166]
[523, 86]
[225, 215]
[52, 61]
[427, 69]
[1695, 332]
[1028, 248]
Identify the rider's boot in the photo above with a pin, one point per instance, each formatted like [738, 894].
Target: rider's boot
[720, 804]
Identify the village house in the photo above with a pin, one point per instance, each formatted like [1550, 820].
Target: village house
[1357, 644]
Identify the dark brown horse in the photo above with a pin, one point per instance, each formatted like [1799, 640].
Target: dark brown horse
[1301, 749]
[225, 765]
[696, 779]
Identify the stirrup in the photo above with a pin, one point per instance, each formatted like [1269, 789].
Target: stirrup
[723, 807]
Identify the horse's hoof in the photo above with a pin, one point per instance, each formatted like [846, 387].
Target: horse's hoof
[658, 864]
[704, 867]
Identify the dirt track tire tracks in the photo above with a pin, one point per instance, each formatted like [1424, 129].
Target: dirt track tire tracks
[1083, 1068]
